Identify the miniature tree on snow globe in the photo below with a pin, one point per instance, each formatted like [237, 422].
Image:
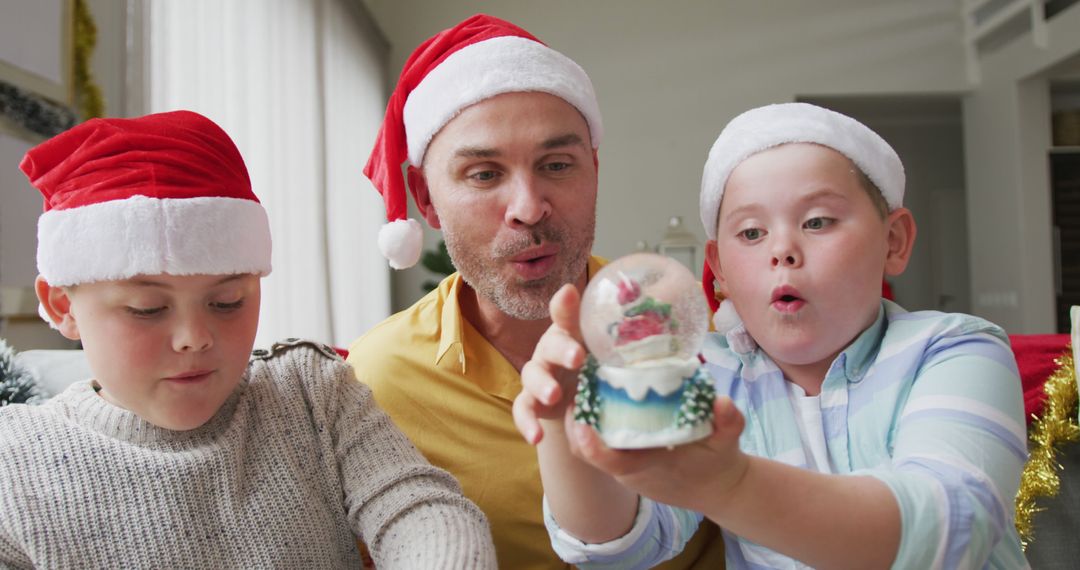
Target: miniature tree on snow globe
[644, 318]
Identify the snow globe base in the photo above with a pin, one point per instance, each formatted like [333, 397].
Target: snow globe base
[660, 403]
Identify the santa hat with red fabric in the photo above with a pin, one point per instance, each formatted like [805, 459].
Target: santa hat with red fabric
[766, 127]
[477, 59]
[161, 194]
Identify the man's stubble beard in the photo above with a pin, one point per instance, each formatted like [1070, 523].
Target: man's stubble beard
[522, 300]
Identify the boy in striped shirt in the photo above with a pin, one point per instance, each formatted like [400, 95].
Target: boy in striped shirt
[849, 432]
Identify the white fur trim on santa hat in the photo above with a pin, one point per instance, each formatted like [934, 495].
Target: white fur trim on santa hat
[773, 125]
[507, 64]
[120, 239]
[400, 242]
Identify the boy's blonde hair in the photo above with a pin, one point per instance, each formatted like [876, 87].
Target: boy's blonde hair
[876, 197]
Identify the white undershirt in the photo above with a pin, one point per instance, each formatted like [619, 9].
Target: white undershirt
[811, 429]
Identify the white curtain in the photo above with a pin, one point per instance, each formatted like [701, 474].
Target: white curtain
[299, 85]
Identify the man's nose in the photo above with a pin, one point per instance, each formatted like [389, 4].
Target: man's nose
[528, 202]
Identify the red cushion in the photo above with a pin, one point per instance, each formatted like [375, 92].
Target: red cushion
[1035, 354]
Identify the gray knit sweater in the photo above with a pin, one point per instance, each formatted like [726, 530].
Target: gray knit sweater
[296, 464]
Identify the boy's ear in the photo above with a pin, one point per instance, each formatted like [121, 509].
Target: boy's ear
[712, 258]
[56, 305]
[900, 240]
[422, 196]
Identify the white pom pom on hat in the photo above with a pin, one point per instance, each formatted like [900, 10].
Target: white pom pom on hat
[726, 318]
[401, 242]
[728, 323]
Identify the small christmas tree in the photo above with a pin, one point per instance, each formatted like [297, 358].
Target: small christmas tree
[697, 400]
[16, 384]
[587, 400]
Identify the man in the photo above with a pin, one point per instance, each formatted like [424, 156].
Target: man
[500, 133]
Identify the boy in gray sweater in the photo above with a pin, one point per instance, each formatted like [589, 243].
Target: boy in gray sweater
[186, 449]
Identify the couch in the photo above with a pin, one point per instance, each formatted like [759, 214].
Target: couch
[1055, 526]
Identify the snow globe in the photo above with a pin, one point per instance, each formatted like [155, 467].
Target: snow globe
[643, 319]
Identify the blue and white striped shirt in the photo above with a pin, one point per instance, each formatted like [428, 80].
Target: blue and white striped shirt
[927, 402]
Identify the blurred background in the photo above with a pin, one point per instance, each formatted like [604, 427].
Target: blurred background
[981, 98]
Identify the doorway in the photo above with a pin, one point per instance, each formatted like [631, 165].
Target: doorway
[927, 133]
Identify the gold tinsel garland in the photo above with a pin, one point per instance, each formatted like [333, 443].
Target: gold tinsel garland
[87, 91]
[1048, 433]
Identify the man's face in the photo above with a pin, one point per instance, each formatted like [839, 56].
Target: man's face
[512, 183]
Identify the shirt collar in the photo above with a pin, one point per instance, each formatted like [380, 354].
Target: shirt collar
[453, 322]
[860, 355]
[450, 331]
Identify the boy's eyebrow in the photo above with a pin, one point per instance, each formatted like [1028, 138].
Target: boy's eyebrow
[822, 193]
[149, 282]
[232, 277]
[740, 211]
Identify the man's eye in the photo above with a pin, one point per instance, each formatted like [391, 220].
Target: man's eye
[148, 312]
[484, 176]
[557, 166]
[750, 234]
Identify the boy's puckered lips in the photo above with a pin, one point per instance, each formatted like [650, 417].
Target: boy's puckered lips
[787, 299]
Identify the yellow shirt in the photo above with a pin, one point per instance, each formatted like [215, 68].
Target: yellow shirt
[451, 392]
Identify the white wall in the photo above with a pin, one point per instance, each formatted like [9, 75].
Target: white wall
[1006, 137]
[669, 75]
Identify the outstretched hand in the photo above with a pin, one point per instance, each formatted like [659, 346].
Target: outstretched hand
[684, 476]
[549, 379]
[692, 476]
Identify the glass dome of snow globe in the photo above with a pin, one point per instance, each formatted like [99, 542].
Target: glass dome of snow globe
[643, 307]
[644, 319]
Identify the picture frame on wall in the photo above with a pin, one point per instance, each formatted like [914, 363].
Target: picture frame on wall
[36, 66]
[37, 98]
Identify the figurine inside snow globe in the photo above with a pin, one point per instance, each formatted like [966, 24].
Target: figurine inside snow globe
[644, 318]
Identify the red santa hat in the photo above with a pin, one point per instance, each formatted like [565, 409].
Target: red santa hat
[165, 193]
[773, 125]
[477, 59]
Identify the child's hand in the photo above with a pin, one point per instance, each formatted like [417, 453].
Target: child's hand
[692, 476]
[549, 379]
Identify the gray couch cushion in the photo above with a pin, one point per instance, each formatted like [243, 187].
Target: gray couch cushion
[1056, 530]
